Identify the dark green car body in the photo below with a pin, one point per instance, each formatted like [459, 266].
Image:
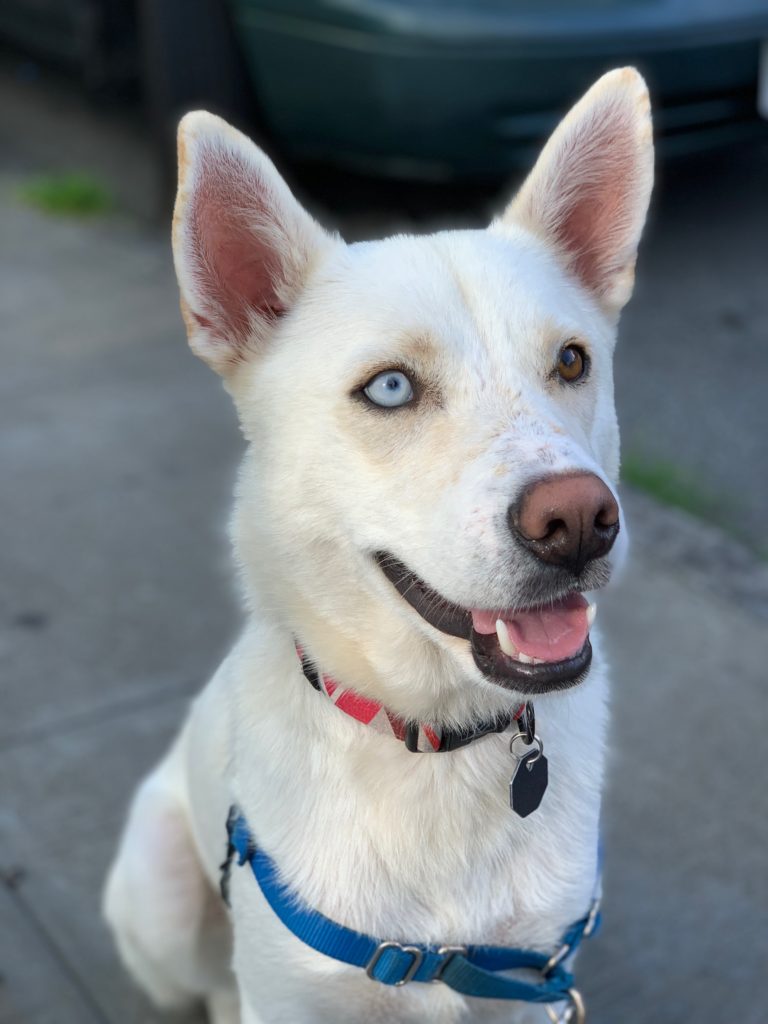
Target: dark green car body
[467, 87]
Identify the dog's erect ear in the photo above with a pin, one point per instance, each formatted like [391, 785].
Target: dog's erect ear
[588, 194]
[242, 244]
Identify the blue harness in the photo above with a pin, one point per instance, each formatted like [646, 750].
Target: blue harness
[471, 970]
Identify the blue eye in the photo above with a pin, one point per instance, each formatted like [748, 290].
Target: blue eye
[389, 389]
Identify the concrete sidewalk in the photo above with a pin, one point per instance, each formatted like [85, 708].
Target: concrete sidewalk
[118, 452]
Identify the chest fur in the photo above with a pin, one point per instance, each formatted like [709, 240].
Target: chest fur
[421, 847]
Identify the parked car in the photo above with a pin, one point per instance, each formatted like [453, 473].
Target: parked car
[466, 87]
[436, 88]
[95, 38]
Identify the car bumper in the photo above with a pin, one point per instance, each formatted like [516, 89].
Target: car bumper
[412, 93]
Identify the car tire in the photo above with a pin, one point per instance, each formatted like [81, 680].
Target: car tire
[190, 60]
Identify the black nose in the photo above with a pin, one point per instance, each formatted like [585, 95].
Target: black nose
[567, 520]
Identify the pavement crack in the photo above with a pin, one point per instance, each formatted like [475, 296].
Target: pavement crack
[97, 716]
[12, 876]
[67, 968]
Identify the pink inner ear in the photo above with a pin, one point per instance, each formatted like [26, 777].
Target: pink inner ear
[230, 247]
[593, 221]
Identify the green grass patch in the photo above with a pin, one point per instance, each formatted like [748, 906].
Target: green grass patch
[73, 194]
[670, 485]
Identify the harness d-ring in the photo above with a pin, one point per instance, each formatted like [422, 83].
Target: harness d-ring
[574, 1013]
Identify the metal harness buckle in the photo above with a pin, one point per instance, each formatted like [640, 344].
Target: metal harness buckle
[449, 952]
[557, 958]
[574, 1011]
[560, 954]
[416, 953]
[594, 911]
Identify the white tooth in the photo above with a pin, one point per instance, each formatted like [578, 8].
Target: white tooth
[526, 659]
[504, 639]
[539, 661]
[591, 613]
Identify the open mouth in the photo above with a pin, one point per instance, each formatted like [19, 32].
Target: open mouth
[531, 650]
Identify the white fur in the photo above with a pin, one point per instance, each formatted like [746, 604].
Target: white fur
[408, 847]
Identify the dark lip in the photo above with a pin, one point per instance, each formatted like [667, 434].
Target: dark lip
[456, 621]
[443, 615]
[529, 679]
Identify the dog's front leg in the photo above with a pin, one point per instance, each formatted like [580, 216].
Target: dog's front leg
[247, 1013]
[223, 1007]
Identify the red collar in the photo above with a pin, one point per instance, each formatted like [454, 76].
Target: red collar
[418, 737]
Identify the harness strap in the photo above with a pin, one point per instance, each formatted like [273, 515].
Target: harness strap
[471, 970]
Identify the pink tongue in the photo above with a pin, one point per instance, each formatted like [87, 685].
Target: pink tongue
[551, 634]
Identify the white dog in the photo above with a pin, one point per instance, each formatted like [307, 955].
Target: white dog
[428, 492]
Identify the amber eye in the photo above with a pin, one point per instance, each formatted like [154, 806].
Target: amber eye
[572, 364]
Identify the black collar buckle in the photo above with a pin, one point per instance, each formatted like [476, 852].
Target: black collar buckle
[453, 740]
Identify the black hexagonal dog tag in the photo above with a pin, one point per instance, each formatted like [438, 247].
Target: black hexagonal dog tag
[529, 783]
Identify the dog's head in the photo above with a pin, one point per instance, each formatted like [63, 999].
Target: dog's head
[433, 447]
